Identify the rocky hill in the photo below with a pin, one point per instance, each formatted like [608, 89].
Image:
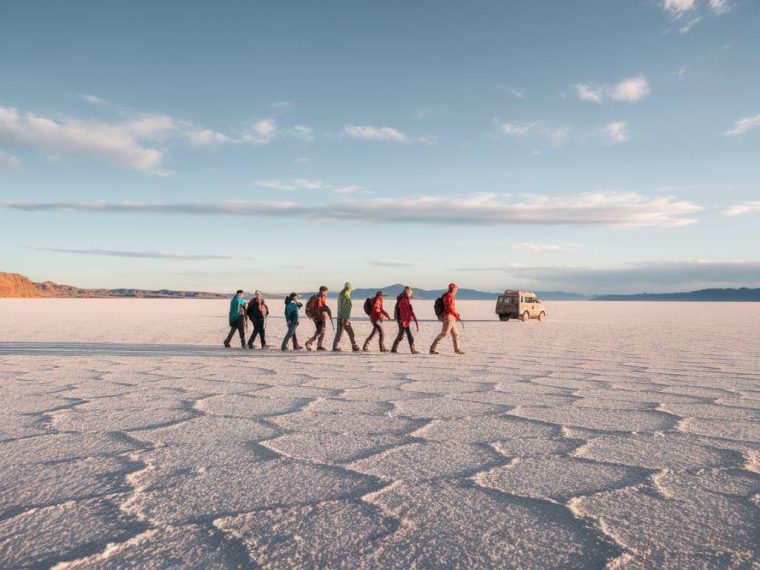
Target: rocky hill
[16, 285]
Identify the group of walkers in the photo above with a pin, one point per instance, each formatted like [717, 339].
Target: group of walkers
[317, 310]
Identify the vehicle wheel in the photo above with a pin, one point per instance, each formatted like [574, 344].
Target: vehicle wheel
[541, 316]
[503, 317]
[525, 317]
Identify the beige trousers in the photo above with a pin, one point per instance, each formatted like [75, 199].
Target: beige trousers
[449, 328]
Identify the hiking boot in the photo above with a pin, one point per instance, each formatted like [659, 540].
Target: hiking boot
[460, 351]
[394, 350]
[356, 348]
[250, 347]
[413, 350]
[434, 351]
[337, 349]
[365, 348]
[321, 348]
[308, 345]
[265, 347]
[383, 349]
[284, 349]
[227, 345]
[395, 346]
[298, 347]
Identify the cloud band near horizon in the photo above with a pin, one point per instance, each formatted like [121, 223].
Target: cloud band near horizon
[606, 209]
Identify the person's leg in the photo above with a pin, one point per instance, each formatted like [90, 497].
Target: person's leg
[253, 335]
[338, 334]
[410, 338]
[321, 335]
[288, 336]
[241, 330]
[296, 346]
[365, 348]
[445, 329]
[455, 338]
[381, 332]
[351, 335]
[313, 338]
[259, 326]
[399, 338]
[227, 340]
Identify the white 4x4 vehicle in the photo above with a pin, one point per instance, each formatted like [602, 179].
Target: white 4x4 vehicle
[523, 305]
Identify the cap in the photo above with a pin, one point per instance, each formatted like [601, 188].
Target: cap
[453, 286]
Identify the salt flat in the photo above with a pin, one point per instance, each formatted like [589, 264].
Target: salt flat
[624, 435]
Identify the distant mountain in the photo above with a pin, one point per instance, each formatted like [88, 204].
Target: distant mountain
[705, 295]
[391, 291]
[16, 285]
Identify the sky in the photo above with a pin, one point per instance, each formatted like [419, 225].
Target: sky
[593, 146]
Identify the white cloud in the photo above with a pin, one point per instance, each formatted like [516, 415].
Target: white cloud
[376, 133]
[644, 276]
[94, 99]
[141, 254]
[516, 92]
[610, 209]
[744, 208]
[616, 132]
[393, 263]
[305, 184]
[95, 140]
[720, 6]
[743, 125]
[138, 142]
[686, 28]
[680, 74]
[589, 93]
[629, 90]
[385, 134]
[9, 162]
[535, 129]
[678, 7]
[537, 247]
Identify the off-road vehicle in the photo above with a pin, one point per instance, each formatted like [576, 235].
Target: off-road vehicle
[523, 305]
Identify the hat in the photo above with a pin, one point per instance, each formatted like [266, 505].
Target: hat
[348, 285]
[453, 286]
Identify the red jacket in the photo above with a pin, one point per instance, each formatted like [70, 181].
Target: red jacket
[449, 306]
[377, 310]
[405, 311]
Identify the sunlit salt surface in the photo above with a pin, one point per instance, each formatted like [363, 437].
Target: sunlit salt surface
[621, 434]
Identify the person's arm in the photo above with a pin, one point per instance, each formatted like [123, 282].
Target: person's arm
[386, 315]
[416, 322]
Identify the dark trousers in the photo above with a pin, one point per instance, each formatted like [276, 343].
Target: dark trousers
[344, 324]
[377, 328]
[400, 337]
[291, 334]
[258, 329]
[239, 326]
[319, 335]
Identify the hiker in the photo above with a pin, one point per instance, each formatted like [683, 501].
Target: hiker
[237, 319]
[344, 318]
[447, 313]
[376, 315]
[258, 312]
[404, 313]
[292, 305]
[318, 311]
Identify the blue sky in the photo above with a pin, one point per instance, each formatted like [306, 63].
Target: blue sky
[593, 146]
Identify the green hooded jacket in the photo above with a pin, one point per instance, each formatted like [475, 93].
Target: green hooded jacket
[344, 301]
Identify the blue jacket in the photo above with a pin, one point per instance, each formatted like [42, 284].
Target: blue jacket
[237, 308]
[291, 312]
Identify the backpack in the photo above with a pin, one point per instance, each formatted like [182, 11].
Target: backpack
[368, 302]
[311, 310]
[396, 313]
[440, 307]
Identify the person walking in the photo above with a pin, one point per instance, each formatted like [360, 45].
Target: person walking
[237, 319]
[344, 318]
[404, 313]
[292, 305]
[318, 311]
[376, 316]
[258, 312]
[449, 317]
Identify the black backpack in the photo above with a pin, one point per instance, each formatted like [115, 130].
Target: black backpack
[368, 302]
[440, 307]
